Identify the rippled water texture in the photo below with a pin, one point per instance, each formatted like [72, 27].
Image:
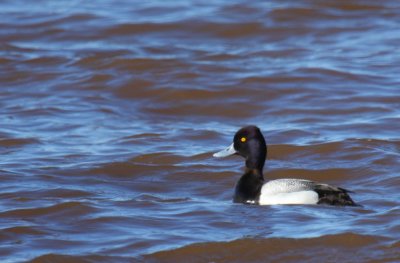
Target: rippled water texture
[111, 110]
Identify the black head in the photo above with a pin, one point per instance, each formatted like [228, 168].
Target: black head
[249, 143]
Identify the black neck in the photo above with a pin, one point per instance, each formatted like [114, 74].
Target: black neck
[256, 160]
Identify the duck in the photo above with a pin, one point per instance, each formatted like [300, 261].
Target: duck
[251, 188]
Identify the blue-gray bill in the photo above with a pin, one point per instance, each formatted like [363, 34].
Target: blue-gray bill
[226, 152]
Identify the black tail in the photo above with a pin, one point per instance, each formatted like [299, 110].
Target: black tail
[337, 197]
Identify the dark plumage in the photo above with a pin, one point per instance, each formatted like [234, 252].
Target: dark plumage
[249, 143]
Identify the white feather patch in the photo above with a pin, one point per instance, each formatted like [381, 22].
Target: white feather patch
[300, 197]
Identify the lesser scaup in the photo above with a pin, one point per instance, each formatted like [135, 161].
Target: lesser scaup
[249, 143]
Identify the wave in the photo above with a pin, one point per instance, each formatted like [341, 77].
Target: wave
[333, 248]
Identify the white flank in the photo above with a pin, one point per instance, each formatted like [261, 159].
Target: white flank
[286, 192]
[294, 198]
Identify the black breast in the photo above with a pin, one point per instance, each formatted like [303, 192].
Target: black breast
[248, 188]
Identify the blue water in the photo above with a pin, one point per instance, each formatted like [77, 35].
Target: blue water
[111, 112]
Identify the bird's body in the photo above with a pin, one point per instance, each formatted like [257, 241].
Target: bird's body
[252, 189]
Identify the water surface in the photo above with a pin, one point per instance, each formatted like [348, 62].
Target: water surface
[111, 112]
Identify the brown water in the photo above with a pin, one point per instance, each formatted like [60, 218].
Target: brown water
[111, 111]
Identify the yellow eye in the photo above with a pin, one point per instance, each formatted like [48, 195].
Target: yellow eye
[243, 139]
